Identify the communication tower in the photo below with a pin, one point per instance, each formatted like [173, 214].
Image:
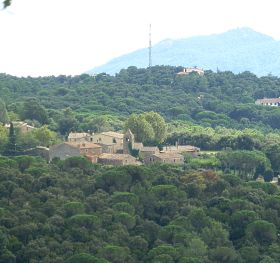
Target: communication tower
[150, 46]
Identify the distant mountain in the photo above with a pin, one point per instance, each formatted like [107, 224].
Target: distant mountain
[237, 50]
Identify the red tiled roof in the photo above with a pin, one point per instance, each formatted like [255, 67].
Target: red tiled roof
[269, 100]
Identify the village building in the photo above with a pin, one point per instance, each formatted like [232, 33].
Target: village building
[187, 71]
[117, 159]
[192, 150]
[109, 138]
[80, 137]
[70, 149]
[128, 142]
[108, 148]
[112, 148]
[23, 127]
[274, 102]
[147, 151]
[165, 157]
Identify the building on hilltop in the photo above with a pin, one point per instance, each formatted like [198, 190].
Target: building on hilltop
[23, 127]
[128, 142]
[275, 102]
[109, 137]
[147, 151]
[71, 149]
[187, 71]
[117, 159]
[80, 137]
[165, 157]
[192, 150]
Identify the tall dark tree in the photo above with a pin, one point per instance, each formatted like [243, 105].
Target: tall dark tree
[4, 118]
[33, 110]
[10, 148]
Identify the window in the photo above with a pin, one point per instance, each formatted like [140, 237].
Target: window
[114, 140]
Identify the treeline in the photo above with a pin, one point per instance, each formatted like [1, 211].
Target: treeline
[215, 99]
[73, 211]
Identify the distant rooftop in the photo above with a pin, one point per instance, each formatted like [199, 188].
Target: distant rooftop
[84, 145]
[113, 134]
[187, 71]
[114, 156]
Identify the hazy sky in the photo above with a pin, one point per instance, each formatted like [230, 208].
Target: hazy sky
[53, 37]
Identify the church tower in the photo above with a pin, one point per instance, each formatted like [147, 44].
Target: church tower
[128, 142]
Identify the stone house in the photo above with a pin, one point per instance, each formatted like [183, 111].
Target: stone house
[117, 159]
[23, 127]
[192, 150]
[70, 149]
[109, 138]
[79, 137]
[108, 148]
[148, 151]
[165, 157]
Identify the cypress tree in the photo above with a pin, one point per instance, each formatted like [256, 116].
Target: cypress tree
[10, 149]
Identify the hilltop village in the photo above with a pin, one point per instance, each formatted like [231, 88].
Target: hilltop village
[108, 148]
[113, 148]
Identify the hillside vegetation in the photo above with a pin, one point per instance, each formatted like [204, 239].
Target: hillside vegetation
[215, 99]
[73, 211]
[211, 209]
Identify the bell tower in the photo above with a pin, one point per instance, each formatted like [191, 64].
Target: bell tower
[128, 142]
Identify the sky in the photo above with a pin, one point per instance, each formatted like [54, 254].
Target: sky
[69, 37]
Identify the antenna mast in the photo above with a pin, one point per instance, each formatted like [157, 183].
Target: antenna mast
[150, 46]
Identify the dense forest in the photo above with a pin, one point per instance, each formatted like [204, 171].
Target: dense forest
[215, 99]
[214, 208]
[74, 211]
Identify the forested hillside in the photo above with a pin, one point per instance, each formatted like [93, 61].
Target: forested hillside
[220, 207]
[215, 99]
[73, 211]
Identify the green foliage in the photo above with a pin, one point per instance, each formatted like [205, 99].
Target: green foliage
[33, 110]
[206, 211]
[115, 254]
[224, 255]
[10, 147]
[82, 258]
[4, 118]
[73, 208]
[148, 127]
[3, 137]
[45, 136]
[58, 213]
[142, 129]
[247, 163]
[262, 231]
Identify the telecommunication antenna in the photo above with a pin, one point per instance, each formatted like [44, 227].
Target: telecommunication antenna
[150, 46]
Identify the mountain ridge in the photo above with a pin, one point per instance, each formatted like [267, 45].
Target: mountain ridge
[237, 50]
